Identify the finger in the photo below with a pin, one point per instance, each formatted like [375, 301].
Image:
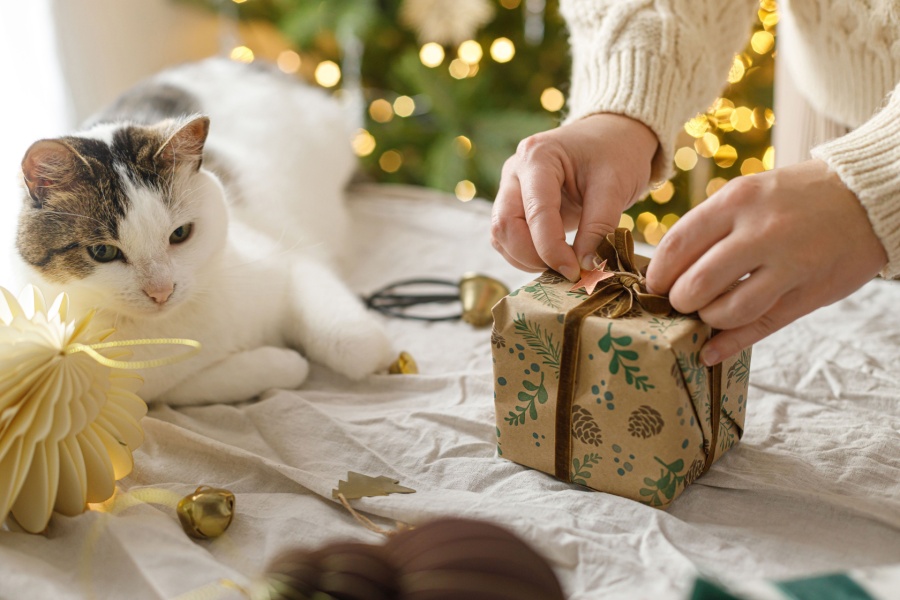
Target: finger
[730, 342]
[509, 230]
[685, 243]
[600, 214]
[541, 198]
[713, 273]
[747, 301]
[514, 262]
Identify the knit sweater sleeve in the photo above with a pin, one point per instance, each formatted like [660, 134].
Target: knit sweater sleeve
[868, 162]
[657, 61]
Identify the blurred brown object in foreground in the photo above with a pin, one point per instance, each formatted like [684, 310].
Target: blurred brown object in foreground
[447, 559]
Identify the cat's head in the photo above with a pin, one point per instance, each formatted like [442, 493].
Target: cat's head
[122, 216]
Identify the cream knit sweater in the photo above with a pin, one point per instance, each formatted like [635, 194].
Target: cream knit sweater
[663, 61]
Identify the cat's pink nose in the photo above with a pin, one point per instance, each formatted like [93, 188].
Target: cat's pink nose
[160, 294]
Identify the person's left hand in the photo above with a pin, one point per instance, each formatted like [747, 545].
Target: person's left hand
[798, 232]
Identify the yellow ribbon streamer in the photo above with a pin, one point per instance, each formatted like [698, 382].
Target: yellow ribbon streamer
[91, 350]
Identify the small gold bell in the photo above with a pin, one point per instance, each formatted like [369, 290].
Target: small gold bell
[479, 294]
[207, 512]
[404, 365]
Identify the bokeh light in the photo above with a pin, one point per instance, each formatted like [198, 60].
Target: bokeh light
[685, 158]
[327, 73]
[503, 50]
[390, 161]
[663, 193]
[288, 62]
[465, 190]
[725, 156]
[404, 106]
[381, 110]
[470, 52]
[431, 54]
[463, 146]
[552, 99]
[363, 143]
[242, 54]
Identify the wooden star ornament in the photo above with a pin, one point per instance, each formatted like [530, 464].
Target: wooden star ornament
[590, 279]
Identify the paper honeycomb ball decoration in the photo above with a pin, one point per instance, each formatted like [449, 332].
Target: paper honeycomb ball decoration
[447, 559]
[68, 424]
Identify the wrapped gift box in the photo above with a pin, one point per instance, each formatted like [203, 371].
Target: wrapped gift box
[607, 389]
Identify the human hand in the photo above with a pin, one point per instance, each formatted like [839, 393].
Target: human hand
[582, 174]
[800, 234]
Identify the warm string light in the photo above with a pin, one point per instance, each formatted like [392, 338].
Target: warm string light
[503, 50]
[431, 54]
[404, 106]
[390, 161]
[288, 62]
[663, 193]
[242, 54]
[363, 143]
[327, 73]
[463, 146]
[552, 99]
[465, 190]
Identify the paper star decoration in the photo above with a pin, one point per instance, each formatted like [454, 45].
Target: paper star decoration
[590, 279]
[361, 486]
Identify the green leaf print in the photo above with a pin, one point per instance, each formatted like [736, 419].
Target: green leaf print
[581, 470]
[670, 477]
[530, 402]
[539, 341]
[662, 324]
[621, 357]
[543, 294]
[740, 370]
[695, 373]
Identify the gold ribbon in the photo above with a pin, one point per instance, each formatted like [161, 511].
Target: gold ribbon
[91, 350]
[620, 292]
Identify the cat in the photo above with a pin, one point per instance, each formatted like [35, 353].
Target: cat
[206, 203]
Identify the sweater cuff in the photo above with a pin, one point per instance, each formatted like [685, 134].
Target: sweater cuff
[868, 162]
[621, 85]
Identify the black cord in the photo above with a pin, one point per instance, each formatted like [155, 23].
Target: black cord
[388, 301]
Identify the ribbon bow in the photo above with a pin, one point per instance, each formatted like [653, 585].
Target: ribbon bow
[627, 284]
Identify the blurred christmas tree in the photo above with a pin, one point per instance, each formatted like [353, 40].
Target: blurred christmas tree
[449, 88]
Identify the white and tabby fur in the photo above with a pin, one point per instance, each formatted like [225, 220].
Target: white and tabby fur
[255, 282]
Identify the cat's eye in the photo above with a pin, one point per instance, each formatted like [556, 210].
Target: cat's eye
[181, 234]
[104, 253]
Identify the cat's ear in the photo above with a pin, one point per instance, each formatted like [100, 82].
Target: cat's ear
[48, 165]
[184, 147]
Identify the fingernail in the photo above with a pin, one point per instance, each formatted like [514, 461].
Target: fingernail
[587, 262]
[570, 273]
[710, 357]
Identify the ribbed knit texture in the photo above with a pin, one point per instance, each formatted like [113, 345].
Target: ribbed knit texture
[868, 162]
[655, 61]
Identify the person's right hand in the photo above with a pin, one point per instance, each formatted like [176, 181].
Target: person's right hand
[583, 174]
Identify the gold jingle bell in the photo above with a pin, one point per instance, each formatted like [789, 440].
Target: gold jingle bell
[207, 512]
[479, 294]
[405, 364]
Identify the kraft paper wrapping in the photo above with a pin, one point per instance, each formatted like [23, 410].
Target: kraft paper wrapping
[645, 418]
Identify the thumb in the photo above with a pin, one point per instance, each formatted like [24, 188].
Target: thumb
[600, 215]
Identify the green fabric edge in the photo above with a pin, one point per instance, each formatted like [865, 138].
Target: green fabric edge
[705, 590]
[827, 587]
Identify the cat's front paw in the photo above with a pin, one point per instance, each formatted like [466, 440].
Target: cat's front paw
[359, 348]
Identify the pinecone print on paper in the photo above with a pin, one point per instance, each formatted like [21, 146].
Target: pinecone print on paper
[551, 278]
[584, 427]
[608, 310]
[496, 339]
[645, 422]
[695, 471]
